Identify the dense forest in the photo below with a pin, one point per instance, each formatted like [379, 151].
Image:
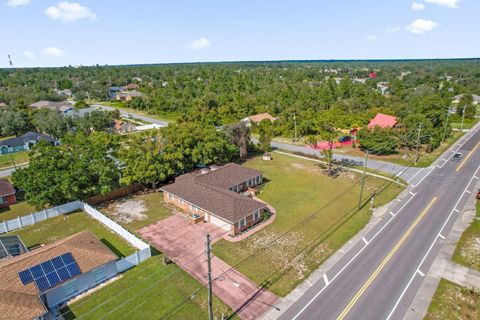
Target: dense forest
[318, 94]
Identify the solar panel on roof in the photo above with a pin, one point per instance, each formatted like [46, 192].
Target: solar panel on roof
[51, 272]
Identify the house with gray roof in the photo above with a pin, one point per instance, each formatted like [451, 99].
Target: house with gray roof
[475, 98]
[64, 108]
[23, 142]
[216, 195]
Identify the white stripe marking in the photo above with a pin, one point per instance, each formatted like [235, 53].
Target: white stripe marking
[365, 240]
[393, 214]
[421, 273]
[441, 236]
[426, 255]
[325, 278]
[456, 210]
[467, 191]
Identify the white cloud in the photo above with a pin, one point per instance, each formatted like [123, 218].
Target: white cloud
[199, 44]
[444, 3]
[52, 52]
[395, 29]
[418, 6]
[17, 3]
[29, 55]
[420, 25]
[69, 12]
[372, 38]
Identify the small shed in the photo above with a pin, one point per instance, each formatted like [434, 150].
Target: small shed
[267, 156]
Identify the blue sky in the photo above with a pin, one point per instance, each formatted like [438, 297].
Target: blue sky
[86, 32]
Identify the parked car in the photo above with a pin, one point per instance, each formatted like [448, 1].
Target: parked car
[457, 156]
[345, 139]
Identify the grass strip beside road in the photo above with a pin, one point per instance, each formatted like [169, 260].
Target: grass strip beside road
[452, 301]
[467, 252]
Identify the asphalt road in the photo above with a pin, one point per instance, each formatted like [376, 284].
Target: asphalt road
[381, 166]
[135, 115]
[379, 277]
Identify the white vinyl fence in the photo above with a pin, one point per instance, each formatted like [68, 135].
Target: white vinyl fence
[142, 254]
[24, 221]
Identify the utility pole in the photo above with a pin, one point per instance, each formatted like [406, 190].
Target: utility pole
[418, 141]
[445, 130]
[295, 124]
[363, 181]
[209, 278]
[463, 117]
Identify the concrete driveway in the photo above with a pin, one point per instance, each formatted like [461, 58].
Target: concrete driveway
[184, 243]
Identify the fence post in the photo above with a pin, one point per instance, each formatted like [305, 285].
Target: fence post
[137, 258]
[45, 213]
[19, 222]
[33, 218]
[5, 225]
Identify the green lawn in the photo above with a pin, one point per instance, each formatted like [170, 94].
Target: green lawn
[17, 210]
[147, 291]
[154, 205]
[18, 158]
[452, 301]
[57, 228]
[467, 251]
[297, 188]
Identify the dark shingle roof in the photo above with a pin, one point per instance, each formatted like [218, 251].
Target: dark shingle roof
[209, 191]
[29, 136]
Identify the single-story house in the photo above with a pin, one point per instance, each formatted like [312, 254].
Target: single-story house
[383, 121]
[257, 118]
[475, 98]
[213, 195]
[382, 87]
[122, 127]
[64, 108]
[36, 282]
[127, 95]
[7, 194]
[80, 113]
[23, 142]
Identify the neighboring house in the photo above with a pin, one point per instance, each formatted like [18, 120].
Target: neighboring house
[122, 127]
[127, 95]
[114, 90]
[382, 87]
[257, 118]
[36, 282]
[475, 98]
[131, 86]
[7, 194]
[23, 142]
[64, 108]
[213, 195]
[383, 121]
[360, 80]
[148, 127]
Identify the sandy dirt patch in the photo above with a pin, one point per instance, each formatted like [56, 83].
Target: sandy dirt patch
[129, 210]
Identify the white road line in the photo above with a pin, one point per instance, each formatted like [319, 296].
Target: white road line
[325, 278]
[421, 273]
[468, 191]
[456, 210]
[412, 193]
[441, 236]
[413, 177]
[475, 177]
[429, 249]
[393, 214]
[349, 262]
[364, 240]
[421, 180]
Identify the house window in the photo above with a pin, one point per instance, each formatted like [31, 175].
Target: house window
[70, 288]
[256, 215]
[258, 179]
[100, 274]
[242, 223]
[170, 196]
[3, 199]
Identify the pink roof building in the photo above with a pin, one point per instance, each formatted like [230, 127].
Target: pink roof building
[383, 121]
